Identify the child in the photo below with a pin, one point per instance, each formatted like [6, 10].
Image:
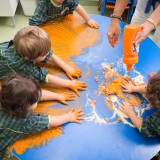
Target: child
[18, 98]
[150, 126]
[32, 44]
[51, 10]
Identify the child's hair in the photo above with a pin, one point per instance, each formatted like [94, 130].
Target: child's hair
[18, 94]
[153, 90]
[32, 42]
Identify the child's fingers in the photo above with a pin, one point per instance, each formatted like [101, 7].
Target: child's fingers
[80, 118]
[79, 122]
[76, 91]
[69, 76]
[70, 95]
[64, 102]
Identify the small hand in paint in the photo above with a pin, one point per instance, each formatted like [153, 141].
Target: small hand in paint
[126, 108]
[66, 97]
[92, 23]
[77, 85]
[75, 116]
[128, 86]
[74, 72]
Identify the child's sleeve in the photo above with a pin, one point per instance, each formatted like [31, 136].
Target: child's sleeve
[40, 15]
[151, 126]
[36, 123]
[36, 72]
[73, 4]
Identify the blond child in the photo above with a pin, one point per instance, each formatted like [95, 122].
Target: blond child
[18, 98]
[150, 126]
[32, 44]
[51, 10]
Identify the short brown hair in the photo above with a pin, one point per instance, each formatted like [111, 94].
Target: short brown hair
[153, 90]
[32, 42]
[18, 94]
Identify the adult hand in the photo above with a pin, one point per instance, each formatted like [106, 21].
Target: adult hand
[147, 27]
[113, 32]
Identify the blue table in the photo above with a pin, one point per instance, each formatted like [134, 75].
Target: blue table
[98, 141]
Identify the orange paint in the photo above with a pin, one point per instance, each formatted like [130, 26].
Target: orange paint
[130, 51]
[114, 87]
[93, 103]
[69, 37]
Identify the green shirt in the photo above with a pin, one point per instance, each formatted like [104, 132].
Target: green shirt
[13, 128]
[11, 62]
[46, 11]
[151, 126]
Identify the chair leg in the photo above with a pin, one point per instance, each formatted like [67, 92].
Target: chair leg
[103, 7]
[13, 22]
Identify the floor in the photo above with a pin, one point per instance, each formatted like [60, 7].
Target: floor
[7, 31]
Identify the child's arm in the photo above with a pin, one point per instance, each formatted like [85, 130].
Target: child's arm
[40, 15]
[48, 96]
[72, 84]
[129, 87]
[129, 111]
[72, 116]
[81, 11]
[71, 72]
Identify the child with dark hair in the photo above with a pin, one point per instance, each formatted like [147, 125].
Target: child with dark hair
[150, 126]
[18, 98]
[32, 44]
[51, 10]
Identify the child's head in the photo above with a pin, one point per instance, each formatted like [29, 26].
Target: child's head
[153, 90]
[19, 95]
[32, 42]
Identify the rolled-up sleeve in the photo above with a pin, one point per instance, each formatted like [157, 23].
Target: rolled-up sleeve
[151, 126]
[36, 123]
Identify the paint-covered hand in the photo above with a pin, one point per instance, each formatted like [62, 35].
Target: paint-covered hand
[128, 86]
[77, 85]
[75, 116]
[127, 108]
[74, 72]
[92, 23]
[63, 98]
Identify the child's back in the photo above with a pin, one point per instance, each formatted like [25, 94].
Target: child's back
[18, 98]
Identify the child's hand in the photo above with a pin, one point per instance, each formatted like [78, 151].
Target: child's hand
[75, 116]
[127, 108]
[66, 97]
[92, 23]
[74, 72]
[77, 85]
[128, 87]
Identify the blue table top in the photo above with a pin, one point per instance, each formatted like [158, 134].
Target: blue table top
[95, 140]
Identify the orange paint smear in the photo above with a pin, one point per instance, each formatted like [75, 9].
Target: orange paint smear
[114, 87]
[36, 139]
[69, 37]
